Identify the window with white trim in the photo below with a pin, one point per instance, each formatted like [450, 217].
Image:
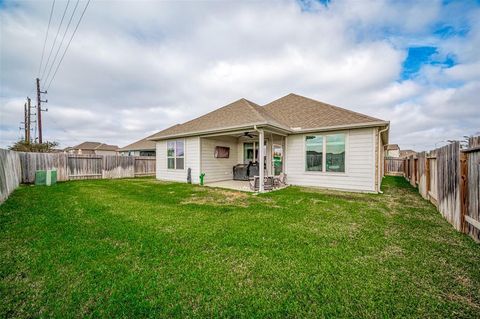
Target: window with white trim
[335, 153]
[325, 153]
[176, 154]
[314, 153]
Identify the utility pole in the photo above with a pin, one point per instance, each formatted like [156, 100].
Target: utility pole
[28, 121]
[39, 111]
[25, 123]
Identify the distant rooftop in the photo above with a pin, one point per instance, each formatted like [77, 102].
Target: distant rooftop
[95, 146]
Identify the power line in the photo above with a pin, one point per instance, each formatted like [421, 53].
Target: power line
[55, 40]
[68, 45]
[46, 37]
[61, 42]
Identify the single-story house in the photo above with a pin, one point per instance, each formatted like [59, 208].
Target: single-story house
[313, 143]
[92, 148]
[143, 147]
[392, 150]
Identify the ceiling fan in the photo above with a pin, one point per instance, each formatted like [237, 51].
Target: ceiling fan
[247, 134]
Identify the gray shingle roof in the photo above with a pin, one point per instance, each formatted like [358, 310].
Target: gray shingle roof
[391, 147]
[140, 145]
[95, 146]
[301, 112]
[292, 113]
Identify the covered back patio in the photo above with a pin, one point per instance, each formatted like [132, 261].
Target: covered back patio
[233, 159]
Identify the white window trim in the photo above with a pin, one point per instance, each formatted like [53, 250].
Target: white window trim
[175, 157]
[255, 142]
[324, 154]
[283, 157]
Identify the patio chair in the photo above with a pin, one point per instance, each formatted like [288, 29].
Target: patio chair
[267, 184]
[280, 180]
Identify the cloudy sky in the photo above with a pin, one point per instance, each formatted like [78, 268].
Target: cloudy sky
[136, 67]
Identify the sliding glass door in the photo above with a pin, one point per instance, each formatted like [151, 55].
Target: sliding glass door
[250, 152]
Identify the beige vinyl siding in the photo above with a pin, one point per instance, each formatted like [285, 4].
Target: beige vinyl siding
[218, 169]
[359, 162]
[192, 160]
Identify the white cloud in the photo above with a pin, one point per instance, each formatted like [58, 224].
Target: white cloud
[134, 69]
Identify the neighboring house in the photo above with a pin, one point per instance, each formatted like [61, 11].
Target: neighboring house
[407, 153]
[92, 148]
[143, 147]
[392, 150]
[314, 143]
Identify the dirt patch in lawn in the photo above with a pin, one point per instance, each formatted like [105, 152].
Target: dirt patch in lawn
[217, 198]
[463, 299]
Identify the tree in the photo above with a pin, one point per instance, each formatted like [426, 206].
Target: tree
[23, 146]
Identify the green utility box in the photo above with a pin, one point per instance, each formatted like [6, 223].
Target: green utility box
[48, 177]
[51, 177]
[40, 177]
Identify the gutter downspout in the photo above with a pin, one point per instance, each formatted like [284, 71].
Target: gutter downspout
[379, 156]
[261, 172]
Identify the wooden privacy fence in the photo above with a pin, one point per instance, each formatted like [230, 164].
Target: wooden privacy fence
[393, 166]
[19, 167]
[472, 168]
[73, 167]
[10, 173]
[450, 178]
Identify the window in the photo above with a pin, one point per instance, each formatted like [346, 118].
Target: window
[249, 148]
[335, 153]
[175, 154]
[147, 153]
[325, 153]
[247, 153]
[314, 156]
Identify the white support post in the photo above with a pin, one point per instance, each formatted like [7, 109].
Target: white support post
[261, 170]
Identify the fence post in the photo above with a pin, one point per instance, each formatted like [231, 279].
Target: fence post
[408, 169]
[427, 175]
[463, 189]
[414, 172]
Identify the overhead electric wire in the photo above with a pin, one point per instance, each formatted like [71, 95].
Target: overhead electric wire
[68, 45]
[55, 40]
[46, 37]
[61, 42]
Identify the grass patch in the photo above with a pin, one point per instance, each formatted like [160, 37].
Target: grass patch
[143, 248]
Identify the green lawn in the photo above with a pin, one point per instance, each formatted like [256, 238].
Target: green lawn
[142, 248]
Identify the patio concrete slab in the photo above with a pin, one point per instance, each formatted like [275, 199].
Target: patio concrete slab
[231, 184]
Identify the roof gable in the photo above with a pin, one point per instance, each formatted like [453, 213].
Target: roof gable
[237, 114]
